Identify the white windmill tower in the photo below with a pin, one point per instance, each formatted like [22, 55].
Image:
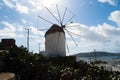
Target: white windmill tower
[55, 40]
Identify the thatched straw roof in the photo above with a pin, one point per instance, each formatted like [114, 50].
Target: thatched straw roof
[54, 28]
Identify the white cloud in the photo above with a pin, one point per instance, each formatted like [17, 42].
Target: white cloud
[20, 28]
[35, 31]
[90, 33]
[111, 2]
[9, 3]
[24, 21]
[21, 8]
[49, 3]
[26, 6]
[10, 30]
[73, 29]
[100, 33]
[7, 34]
[17, 31]
[101, 37]
[13, 4]
[9, 27]
[115, 17]
[33, 3]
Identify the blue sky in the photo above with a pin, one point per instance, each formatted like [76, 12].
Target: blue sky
[98, 23]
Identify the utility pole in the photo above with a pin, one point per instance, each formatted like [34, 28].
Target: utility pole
[95, 55]
[39, 47]
[28, 31]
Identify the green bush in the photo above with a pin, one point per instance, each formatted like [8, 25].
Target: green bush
[28, 66]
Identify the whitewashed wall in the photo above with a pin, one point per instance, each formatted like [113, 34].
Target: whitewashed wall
[55, 44]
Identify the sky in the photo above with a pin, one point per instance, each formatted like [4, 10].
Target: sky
[96, 21]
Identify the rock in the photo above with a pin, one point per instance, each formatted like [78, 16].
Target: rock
[7, 76]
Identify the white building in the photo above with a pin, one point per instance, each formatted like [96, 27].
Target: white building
[55, 41]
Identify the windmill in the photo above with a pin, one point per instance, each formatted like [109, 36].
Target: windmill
[55, 40]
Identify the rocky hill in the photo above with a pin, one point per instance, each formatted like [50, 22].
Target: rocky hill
[97, 54]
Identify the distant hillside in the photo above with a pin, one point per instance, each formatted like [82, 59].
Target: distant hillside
[97, 54]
